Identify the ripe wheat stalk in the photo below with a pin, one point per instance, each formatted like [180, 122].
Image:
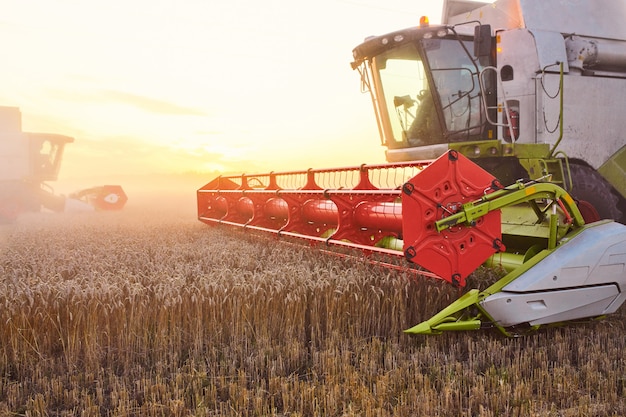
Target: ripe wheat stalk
[128, 314]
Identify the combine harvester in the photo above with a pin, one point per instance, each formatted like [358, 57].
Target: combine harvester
[28, 160]
[505, 148]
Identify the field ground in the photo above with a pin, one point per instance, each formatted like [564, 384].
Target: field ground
[148, 312]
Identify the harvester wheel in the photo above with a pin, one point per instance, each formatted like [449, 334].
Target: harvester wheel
[590, 188]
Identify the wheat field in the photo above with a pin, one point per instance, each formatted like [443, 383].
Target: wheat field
[148, 312]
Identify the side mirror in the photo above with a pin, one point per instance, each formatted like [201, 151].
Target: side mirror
[483, 43]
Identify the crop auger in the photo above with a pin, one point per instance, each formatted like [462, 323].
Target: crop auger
[449, 216]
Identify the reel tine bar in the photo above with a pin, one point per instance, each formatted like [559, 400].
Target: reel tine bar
[356, 207]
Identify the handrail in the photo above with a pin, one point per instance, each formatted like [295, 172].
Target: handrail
[558, 141]
[498, 107]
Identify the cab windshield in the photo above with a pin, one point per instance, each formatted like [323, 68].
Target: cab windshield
[430, 93]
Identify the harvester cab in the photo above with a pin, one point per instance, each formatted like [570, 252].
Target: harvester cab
[28, 160]
[46, 151]
[476, 173]
[431, 91]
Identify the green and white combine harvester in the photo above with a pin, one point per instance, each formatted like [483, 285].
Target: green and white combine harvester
[505, 148]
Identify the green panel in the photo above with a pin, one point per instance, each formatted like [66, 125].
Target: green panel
[504, 260]
[539, 168]
[532, 150]
[614, 170]
[479, 149]
[447, 316]
[493, 148]
[458, 326]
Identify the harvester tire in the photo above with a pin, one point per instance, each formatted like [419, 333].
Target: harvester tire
[590, 187]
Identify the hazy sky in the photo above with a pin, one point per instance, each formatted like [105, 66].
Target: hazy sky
[195, 85]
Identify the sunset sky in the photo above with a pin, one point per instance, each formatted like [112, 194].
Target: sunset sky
[164, 86]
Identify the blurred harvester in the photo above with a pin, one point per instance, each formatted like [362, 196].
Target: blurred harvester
[28, 160]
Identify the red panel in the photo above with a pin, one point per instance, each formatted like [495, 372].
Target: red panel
[108, 197]
[245, 207]
[320, 211]
[383, 216]
[438, 191]
[277, 208]
[367, 218]
[269, 212]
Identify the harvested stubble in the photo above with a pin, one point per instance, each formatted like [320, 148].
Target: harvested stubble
[132, 314]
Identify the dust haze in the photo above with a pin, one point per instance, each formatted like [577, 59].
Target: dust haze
[154, 194]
